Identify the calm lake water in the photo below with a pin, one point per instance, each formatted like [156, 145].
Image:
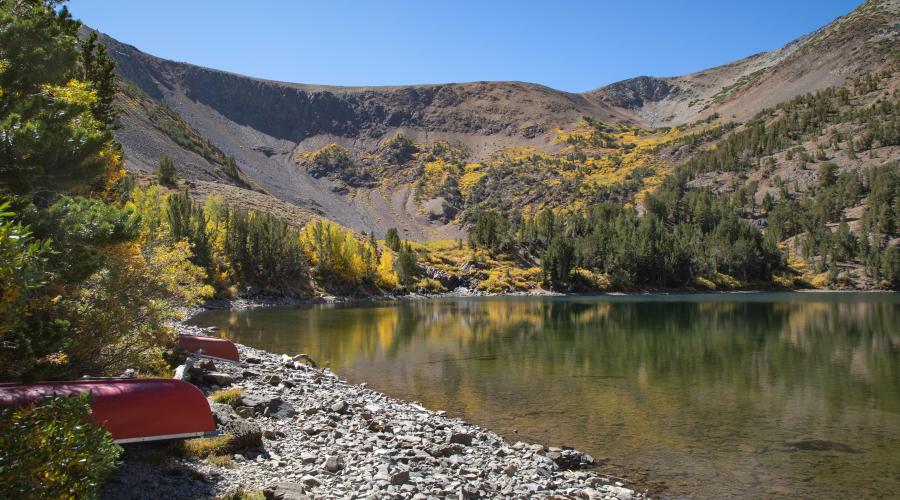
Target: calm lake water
[689, 395]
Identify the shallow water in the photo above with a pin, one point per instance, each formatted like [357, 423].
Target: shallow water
[689, 395]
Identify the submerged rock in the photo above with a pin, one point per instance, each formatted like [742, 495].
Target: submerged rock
[812, 444]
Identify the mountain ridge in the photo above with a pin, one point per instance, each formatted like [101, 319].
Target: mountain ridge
[267, 125]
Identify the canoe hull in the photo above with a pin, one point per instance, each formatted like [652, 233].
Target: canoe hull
[212, 347]
[132, 410]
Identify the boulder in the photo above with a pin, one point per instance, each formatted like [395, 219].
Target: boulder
[568, 459]
[463, 438]
[218, 378]
[446, 450]
[339, 407]
[400, 477]
[619, 492]
[223, 414]
[270, 406]
[245, 411]
[303, 358]
[285, 490]
[590, 494]
[333, 463]
[311, 481]
[244, 434]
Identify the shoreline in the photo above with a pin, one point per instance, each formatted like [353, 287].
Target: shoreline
[241, 303]
[315, 435]
[309, 421]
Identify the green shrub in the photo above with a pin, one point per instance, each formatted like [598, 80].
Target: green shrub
[430, 285]
[49, 450]
[165, 171]
[392, 239]
[406, 266]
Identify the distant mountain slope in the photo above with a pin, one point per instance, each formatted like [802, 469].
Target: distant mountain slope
[267, 127]
[862, 41]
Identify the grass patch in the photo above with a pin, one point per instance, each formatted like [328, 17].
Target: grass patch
[221, 461]
[207, 447]
[231, 397]
[242, 494]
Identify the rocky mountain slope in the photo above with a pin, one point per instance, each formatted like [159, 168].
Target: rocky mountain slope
[857, 43]
[252, 134]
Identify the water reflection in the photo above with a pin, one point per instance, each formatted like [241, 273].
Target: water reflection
[695, 394]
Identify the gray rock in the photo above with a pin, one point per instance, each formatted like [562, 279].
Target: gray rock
[217, 378]
[285, 490]
[620, 492]
[400, 477]
[245, 411]
[446, 450]
[569, 459]
[339, 407]
[207, 365]
[463, 438]
[269, 406]
[273, 379]
[333, 463]
[245, 434]
[311, 481]
[223, 414]
[590, 494]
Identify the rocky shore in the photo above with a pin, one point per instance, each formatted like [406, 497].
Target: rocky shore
[296, 431]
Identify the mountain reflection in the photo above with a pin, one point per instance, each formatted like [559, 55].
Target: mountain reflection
[697, 392]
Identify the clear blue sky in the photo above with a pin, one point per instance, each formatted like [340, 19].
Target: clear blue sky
[572, 45]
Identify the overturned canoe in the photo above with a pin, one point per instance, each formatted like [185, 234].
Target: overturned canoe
[212, 347]
[132, 410]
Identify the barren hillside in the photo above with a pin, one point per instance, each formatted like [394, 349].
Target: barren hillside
[203, 118]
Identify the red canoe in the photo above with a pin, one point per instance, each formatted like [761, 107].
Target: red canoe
[211, 347]
[132, 410]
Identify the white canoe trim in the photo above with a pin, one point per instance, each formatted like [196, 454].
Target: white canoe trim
[186, 435]
[199, 353]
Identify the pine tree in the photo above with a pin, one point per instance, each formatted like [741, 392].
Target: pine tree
[406, 265]
[374, 245]
[392, 239]
[100, 69]
[165, 171]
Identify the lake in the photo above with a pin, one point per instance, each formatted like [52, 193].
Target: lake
[700, 395]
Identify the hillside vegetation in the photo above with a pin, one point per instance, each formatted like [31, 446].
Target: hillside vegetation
[774, 171]
[273, 130]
